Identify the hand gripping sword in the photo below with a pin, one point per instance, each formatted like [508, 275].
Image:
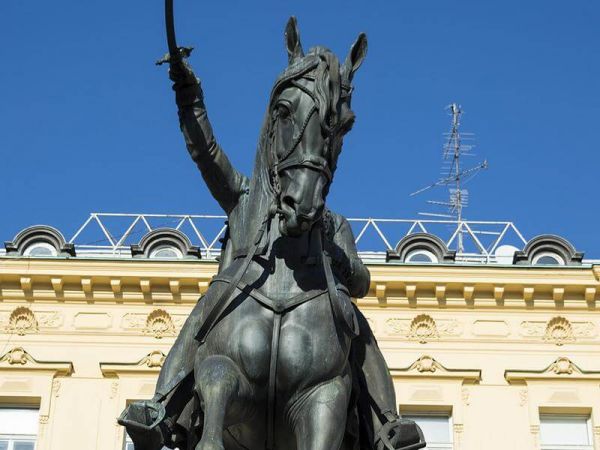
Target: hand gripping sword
[176, 53]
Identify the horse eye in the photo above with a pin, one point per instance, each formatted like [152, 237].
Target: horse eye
[283, 112]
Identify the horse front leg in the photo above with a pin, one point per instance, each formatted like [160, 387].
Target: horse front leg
[224, 393]
[320, 424]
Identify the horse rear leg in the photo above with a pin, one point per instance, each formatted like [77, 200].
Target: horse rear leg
[224, 394]
[320, 423]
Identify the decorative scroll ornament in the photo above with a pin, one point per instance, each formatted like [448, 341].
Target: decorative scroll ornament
[559, 331]
[22, 321]
[426, 364]
[423, 329]
[154, 359]
[562, 366]
[17, 355]
[159, 324]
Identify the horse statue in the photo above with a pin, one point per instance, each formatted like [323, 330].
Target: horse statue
[275, 355]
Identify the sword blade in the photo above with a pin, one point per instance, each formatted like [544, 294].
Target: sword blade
[170, 24]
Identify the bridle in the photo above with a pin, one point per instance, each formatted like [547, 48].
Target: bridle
[290, 158]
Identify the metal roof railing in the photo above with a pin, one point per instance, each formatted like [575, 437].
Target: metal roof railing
[106, 234]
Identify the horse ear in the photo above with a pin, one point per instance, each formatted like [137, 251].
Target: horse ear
[292, 40]
[355, 57]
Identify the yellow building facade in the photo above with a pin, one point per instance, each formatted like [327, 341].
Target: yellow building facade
[485, 356]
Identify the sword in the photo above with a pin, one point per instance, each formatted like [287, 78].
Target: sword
[176, 53]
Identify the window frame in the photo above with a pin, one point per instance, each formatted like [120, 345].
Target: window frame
[20, 438]
[40, 244]
[160, 247]
[560, 261]
[590, 434]
[421, 251]
[409, 414]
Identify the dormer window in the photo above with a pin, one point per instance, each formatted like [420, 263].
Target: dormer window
[421, 248]
[165, 243]
[39, 241]
[548, 250]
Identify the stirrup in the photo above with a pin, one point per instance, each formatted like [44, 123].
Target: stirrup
[144, 422]
[399, 434]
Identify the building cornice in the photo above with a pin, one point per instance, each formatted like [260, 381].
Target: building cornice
[400, 285]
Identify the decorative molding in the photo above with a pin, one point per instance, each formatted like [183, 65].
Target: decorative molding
[558, 330]
[159, 324]
[114, 389]
[19, 358]
[465, 395]
[56, 387]
[523, 397]
[151, 364]
[22, 321]
[423, 329]
[562, 368]
[427, 366]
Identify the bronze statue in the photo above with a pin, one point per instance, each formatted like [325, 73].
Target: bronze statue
[275, 355]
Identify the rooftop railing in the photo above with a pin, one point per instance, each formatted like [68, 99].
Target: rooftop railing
[112, 234]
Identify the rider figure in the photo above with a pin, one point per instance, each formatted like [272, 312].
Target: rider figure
[161, 420]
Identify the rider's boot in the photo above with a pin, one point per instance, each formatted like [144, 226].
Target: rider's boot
[399, 434]
[145, 424]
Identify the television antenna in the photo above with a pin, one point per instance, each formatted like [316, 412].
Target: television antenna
[454, 176]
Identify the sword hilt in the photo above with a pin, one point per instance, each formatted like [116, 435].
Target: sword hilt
[184, 53]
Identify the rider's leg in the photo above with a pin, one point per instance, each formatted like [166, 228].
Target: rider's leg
[375, 374]
[318, 425]
[224, 393]
[378, 394]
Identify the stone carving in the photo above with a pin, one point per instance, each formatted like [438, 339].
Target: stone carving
[559, 331]
[426, 364]
[466, 396]
[48, 319]
[159, 324]
[523, 395]
[114, 389]
[16, 356]
[423, 329]
[22, 321]
[562, 366]
[396, 325]
[56, 387]
[154, 359]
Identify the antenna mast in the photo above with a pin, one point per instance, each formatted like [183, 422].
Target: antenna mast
[453, 175]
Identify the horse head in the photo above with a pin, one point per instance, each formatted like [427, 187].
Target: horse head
[309, 114]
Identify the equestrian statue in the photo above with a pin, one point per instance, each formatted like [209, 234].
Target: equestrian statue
[275, 355]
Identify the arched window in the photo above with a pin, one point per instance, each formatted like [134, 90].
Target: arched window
[166, 252]
[40, 250]
[421, 256]
[548, 259]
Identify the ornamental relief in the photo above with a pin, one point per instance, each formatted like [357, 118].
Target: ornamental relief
[423, 328]
[159, 323]
[558, 330]
[22, 320]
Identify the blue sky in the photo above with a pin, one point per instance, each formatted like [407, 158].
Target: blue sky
[89, 123]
